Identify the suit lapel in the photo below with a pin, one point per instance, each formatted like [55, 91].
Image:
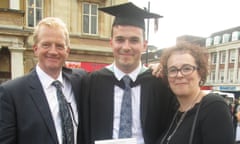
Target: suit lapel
[39, 98]
[74, 82]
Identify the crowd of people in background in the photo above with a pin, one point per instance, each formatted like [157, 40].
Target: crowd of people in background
[235, 110]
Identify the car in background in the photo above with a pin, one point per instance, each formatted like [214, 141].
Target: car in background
[229, 97]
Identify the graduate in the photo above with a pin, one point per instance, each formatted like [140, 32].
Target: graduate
[124, 99]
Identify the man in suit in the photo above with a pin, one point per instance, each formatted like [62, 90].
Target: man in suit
[151, 103]
[29, 106]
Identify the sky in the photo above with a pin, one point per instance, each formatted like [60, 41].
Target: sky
[190, 17]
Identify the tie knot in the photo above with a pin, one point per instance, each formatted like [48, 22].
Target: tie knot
[126, 80]
[57, 84]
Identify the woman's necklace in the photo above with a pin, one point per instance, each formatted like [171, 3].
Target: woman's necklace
[179, 122]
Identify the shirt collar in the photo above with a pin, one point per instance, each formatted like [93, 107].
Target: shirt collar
[119, 74]
[45, 79]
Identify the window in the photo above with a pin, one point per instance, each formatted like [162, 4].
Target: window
[212, 76]
[238, 77]
[230, 75]
[34, 12]
[232, 56]
[222, 57]
[235, 36]
[217, 40]
[209, 41]
[90, 18]
[214, 58]
[226, 38]
[221, 75]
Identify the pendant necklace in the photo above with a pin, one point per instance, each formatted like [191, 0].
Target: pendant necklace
[178, 123]
[171, 125]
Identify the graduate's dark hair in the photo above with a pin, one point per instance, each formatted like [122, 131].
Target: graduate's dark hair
[113, 26]
[199, 54]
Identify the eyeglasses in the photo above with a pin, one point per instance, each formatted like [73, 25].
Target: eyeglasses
[185, 70]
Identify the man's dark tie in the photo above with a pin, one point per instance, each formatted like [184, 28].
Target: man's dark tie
[66, 121]
[125, 126]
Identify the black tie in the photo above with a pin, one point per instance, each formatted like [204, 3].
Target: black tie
[66, 121]
[125, 126]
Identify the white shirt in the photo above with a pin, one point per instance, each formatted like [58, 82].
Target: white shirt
[50, 92]
[118, 94]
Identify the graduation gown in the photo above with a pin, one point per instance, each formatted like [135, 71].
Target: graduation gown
[156, 105]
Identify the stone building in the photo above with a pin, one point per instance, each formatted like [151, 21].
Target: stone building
[89, 30]
[224, 50]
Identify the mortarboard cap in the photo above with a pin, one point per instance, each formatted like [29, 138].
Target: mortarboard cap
[129, 14]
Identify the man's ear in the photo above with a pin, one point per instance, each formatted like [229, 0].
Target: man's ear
[111, 42]
[68, 50]
[35, 49]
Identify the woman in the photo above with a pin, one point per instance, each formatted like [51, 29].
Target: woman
[204, 116]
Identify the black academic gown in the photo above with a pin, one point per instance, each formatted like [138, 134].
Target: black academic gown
[156, 108]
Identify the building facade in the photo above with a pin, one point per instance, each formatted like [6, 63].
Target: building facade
[89, 30]
[224, 51]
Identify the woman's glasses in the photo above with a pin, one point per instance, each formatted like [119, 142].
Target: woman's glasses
[185, 70]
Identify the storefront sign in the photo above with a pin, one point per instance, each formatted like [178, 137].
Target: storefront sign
[88, 66]
[227, 88]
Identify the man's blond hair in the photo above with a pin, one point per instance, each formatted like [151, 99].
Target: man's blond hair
[52, 22]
